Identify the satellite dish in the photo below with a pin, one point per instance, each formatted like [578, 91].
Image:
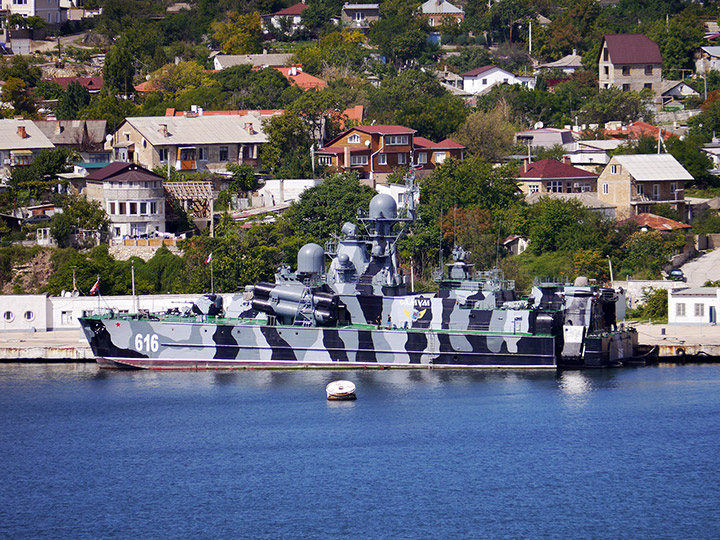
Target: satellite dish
[367, 143]
[108, 137]
[539, 125]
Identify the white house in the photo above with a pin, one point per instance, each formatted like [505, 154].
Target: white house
[48, 10]
[586, 154]
[707, 59]
[480, 80]
[698, 305]
[567, 64]
[278, 191]
[40, 312]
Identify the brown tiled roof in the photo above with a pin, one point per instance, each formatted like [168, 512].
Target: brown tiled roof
[126, 171]
[297, 9]
[632, 49]
[548, 169]
[477, 71]
[91, 83]
[658, 223]
[447, 144]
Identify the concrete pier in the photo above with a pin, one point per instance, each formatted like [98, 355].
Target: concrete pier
[57, 346]
[677, 341]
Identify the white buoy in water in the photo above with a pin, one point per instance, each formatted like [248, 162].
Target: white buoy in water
[340, 390]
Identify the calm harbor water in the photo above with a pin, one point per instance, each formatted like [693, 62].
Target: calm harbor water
[89, 454]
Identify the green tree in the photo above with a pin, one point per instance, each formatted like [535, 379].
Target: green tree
[487, 135]
[678, 39]
[401, 36]
[16, 92]
[615, 104]
[321, 210]
[73, 99]
[412, 98]
[239, 34]
[119, 68]
[243, 178]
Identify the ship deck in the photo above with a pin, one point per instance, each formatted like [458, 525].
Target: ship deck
[201, 319]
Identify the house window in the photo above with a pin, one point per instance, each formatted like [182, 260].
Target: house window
[402, 159]
[533, 188]
[396, 139]
[29, 315]
[202, 154]
[673, 190]
[648, 70]
[607, 71]
[153, 208]
[111, 208]
[133, 208]
[680, 310]
[224, 153]
[66, 317]
[647, 85]
[656, 192]
[8, 316]
[382, 159]
[325, 160]
[143, 208]
[605, 55]
[615, 169]
[354, 139]
[358, 160]
[626, 71]
[605, 189]
[699, 310]
[640, 189]
[555, 186]
[484, 82]
[163, 153]
[626, 87]
[431, 21]
[422, 158]
[121, 208]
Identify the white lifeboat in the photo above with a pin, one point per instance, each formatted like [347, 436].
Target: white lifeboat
[340, 390]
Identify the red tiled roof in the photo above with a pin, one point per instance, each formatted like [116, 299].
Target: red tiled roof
[547, 169]
[304, 80]
[658, 223]
[632, 49]
[297, 9]
[385, 129]
[91, 83]
[477, 71]
[636, 130]
[447, 144]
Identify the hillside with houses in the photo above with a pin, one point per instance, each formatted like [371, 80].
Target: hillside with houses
[549, 138]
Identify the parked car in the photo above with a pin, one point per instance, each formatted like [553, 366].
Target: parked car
[37, 218]
[676, 275]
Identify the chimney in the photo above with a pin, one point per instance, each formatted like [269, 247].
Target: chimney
[526, 165]
[164, 130]
[347, 156]
[566, 160]
[21, 132]
[58, 128]
[249, 128]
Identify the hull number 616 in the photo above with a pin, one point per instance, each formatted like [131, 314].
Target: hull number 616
[146, 342]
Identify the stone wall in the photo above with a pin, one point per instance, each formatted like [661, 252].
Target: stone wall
[123, 253]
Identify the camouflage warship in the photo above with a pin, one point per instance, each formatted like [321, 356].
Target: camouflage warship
[360, 314]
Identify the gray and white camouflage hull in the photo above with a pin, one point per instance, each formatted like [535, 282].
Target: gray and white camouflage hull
[139, 343]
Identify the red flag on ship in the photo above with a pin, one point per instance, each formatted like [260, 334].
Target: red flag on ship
[95, 288]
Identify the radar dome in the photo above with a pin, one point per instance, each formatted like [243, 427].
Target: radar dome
[582, 281]
[383, 206]
[311, 259]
